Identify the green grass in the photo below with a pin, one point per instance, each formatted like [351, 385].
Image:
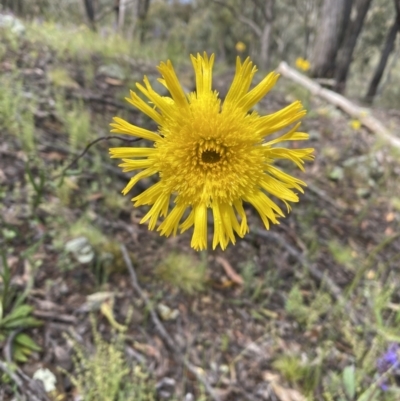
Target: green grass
[81, 43]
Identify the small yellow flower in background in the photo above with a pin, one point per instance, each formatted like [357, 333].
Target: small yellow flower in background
[302, 64]
[240, 47]
[211, 155]
[355, 124]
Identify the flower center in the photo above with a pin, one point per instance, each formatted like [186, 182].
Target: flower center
[210, 156]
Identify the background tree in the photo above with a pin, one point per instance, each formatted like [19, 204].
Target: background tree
[386, 51]
[352, 33]
[334, 16]
[90, 13]
[16, 6]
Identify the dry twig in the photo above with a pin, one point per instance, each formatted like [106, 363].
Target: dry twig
[169, 342]
[26, 386]
[332, 287]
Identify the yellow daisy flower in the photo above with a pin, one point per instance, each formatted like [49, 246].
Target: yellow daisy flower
[211, 155]
[303, 64]
[355, 124]
[240, 47]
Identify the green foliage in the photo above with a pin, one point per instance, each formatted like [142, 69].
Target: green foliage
[16, 115]
[15, 314]
[79, 42]
[28, 131]
[342, 254]
[61, 78]
[183, 272]
[298, 372]
[37, 185]
[76, 119]
[106, 375]
[10, 98]
[307, 314]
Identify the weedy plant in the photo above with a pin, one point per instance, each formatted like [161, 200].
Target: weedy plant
[183, 272]
[298, 372]
[9, 100]
[15, 316]
[76, 120]
[307, 314]
[106, 375]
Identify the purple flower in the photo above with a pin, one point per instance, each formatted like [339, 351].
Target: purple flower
[389, 360]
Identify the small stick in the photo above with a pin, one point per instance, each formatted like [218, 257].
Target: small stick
[161, 330]
[334, 289]
[15, 377]
[322, 277]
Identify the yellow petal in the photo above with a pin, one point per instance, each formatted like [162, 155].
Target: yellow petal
[120, 153]
[199, 238]
[134, 180]
[173, 85]
[124, 127]
[257, 93]
[171, 222]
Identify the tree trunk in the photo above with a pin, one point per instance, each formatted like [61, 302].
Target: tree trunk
[328, 38]
[134, 18]
[346, 52]
[121, 15]
[266, 34]
[387, 49]
[116, 9]
[348, 5]
[143, 9]
[90, 13]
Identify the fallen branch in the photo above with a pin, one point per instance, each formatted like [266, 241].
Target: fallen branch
[340, 101]
[169, 342]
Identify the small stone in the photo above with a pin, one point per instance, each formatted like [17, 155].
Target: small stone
[47, 378]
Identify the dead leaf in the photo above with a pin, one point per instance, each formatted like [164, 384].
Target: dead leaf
[113, 81]
[389, 231]
[390, 217]
[95, 196]
[230, 272]
[106, 309]
[286, 394]
[371, 275]
[53, 156]
[71, 183]
[147, 349]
